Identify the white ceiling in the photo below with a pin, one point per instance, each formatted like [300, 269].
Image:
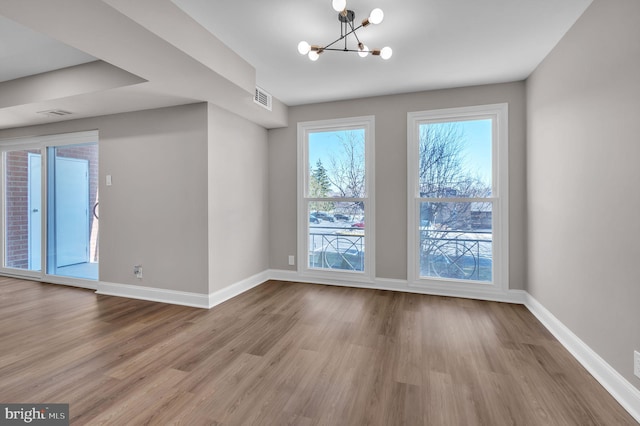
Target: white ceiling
[156, 54]
[25, 52]
[436, 43]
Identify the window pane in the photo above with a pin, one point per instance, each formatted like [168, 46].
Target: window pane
[336, 235]
[73, 211]
[455, 159]
[456, 241]
[23, 196]
[336, 164]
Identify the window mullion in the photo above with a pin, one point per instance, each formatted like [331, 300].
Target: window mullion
[457, 200]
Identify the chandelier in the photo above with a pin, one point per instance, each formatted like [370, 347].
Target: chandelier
[347, 28]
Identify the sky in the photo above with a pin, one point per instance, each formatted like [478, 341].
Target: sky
[476, 153]
[322, 145]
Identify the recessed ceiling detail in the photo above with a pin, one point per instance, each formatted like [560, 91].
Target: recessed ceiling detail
[173, 55]
[26, 52]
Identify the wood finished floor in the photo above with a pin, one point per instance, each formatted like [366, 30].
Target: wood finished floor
[286, 353]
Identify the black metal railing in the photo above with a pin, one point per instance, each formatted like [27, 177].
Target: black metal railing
[336, 248]
[462, 255]
[452, 254]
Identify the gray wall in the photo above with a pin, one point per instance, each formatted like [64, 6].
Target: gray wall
[583, 152]
[155, 213]
[238, 199]
[391, 170]
[189, 199]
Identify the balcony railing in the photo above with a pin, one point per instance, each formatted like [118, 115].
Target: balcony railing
[455, 254]
[452, 254]
[332, 247]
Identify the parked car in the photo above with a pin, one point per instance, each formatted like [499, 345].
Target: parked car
[358, 225]
[324, 216]
[340, 216]
[313, 219]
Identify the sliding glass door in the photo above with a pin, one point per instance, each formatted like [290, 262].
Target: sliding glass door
[50, 214]
[22, 209]
[72, 219]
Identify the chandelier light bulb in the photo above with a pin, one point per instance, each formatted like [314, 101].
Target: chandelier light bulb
[339, 5]
[376, 16]
[304, 47]
[348, 27]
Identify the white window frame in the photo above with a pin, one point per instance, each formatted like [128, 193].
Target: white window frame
[41, 143]
[326, 275]
[498, 113]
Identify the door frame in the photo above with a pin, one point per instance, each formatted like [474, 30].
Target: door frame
[31, 239]
[40, 143]
[54, 218]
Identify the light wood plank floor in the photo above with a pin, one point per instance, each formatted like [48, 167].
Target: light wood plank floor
[286, 353]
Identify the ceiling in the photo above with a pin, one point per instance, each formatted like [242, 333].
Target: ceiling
[154, 53]
[436, 43]
[26, 52]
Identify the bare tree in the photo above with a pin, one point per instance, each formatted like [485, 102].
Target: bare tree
[443, 174]
[440, 159]
[347, 168]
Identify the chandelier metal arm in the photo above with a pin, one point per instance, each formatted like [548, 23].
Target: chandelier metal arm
[343, 37]
[346, 28]
[346, 17]
[353, 30]
[348, 50]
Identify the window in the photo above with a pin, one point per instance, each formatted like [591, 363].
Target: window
[72, 211]
[457, 180]
[50, 216]
[22, 209]
[335, 198]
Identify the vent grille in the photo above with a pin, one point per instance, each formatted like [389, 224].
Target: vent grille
[54, 113]
[262, 98]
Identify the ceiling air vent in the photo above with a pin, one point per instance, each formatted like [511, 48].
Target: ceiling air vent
[262, 98]
[54, 113]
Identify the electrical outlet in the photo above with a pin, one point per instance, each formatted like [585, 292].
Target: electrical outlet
[636, 363]
[137, 271]
[292, 260]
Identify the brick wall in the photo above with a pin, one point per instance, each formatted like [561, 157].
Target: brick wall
[17, 209]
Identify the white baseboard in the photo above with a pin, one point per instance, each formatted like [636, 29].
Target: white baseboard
[240, 287]
[624, 392]
[174, 297]
[293, 276]
[512, 296]
[200, 300]
[621, 389]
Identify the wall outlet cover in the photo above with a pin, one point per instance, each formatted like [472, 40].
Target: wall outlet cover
[137, 271]
[636, 363]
